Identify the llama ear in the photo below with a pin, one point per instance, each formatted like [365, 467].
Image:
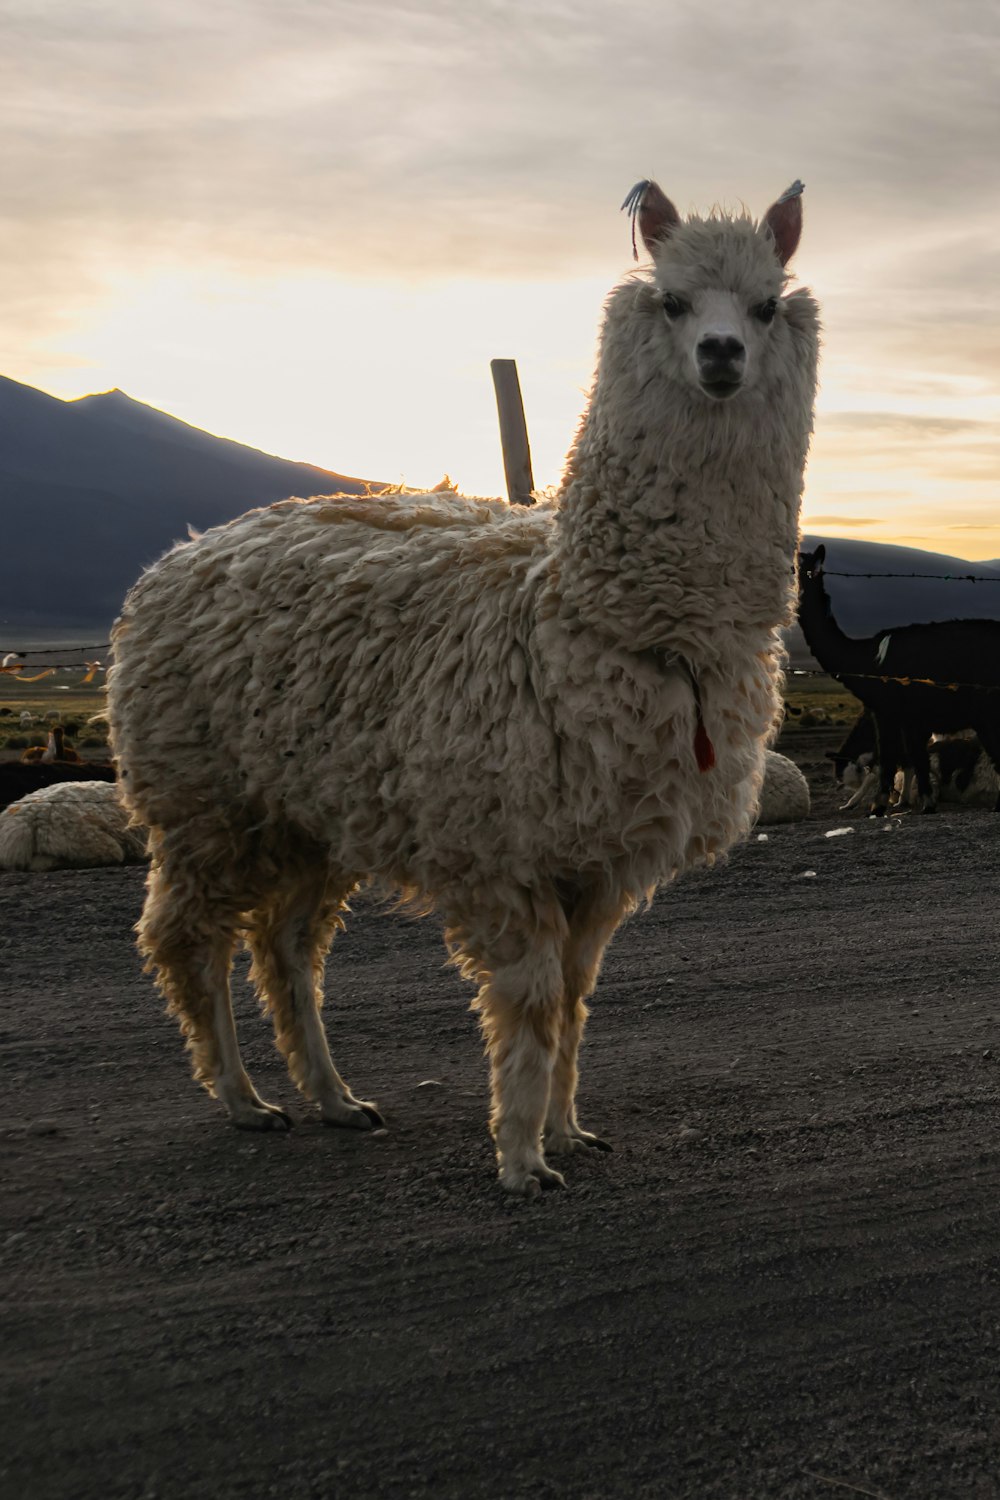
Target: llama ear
[784, 220]
[657, 216]
[819, 558]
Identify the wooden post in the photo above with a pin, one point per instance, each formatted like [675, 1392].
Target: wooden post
[513, 432]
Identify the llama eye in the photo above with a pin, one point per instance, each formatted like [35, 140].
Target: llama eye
[673, 306]
[766, 311]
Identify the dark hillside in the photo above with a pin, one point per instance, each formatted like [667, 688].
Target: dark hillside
[91, 491]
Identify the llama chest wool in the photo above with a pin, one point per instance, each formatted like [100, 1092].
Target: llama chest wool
[524, 718]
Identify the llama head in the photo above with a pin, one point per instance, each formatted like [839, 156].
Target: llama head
[811, 563]
[718, 286]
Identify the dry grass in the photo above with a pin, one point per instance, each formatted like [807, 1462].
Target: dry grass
[813, 701]
[65, 693]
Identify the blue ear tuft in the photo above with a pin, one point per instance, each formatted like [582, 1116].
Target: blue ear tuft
[632, 205]
[795, 191]
[634, 197]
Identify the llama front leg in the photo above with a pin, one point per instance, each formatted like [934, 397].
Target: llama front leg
[187, 942]
[593, 920]
[520, 1003]
[289, 938]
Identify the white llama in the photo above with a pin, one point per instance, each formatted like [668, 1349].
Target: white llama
[524, 718]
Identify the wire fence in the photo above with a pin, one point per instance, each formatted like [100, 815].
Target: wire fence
[953, 687]
[11, 663]
[938, 577]
[846, 677]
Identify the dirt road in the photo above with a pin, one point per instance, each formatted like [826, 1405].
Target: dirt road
[784, 1283]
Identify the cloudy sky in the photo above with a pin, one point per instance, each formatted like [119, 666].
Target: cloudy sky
[310, 224]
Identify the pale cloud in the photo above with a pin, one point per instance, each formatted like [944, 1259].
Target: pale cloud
[401, 137]
[388, 146]
[808, 521]
[903, 426]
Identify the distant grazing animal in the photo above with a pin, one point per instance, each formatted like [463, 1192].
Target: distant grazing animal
[71, 825]
[962, 774]
[55, 750]
[886, 671]
[526, 718]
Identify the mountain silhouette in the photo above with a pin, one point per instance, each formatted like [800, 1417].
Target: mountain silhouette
[93, 490]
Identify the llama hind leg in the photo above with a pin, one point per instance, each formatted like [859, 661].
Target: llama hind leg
[289, 938]
[563, 1132]
[593, 921]
[188, 944]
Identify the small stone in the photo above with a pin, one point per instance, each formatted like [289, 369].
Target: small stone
[376, 1134]
[43, 1127]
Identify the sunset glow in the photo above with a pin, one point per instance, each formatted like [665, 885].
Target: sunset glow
[260, 243]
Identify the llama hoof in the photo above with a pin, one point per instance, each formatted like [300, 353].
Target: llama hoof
[596, 1142]
[575, 1140]
[353, 1115]
[929, 807]
[530, 1182]
[259, 1116]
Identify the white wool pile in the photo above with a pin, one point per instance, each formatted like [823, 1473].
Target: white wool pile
[71, 825]
[784, 796]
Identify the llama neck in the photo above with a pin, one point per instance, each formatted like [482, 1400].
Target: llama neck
[836, 652]
[678, 525]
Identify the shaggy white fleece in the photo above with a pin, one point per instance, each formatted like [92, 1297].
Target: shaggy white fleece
[784, 797]
[493, 710]
[71, 825]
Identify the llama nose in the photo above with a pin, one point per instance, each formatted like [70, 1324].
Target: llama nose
[721, 364]
[720, 350]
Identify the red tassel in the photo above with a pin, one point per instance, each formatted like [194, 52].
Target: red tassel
[704, 750]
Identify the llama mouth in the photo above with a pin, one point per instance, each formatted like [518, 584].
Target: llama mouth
[721, 390]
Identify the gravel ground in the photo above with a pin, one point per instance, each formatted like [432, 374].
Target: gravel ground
[783, 1283]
